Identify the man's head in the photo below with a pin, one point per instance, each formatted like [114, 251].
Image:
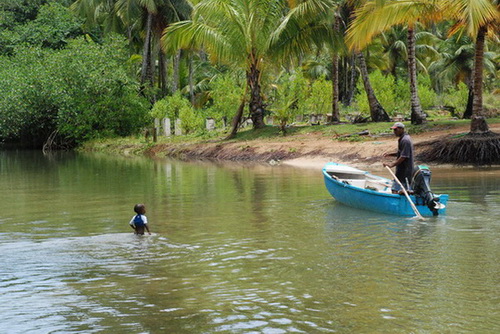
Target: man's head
[398, 128]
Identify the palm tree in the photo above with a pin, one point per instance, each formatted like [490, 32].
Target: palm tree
[395, 51]
[315, 25]
[456, 65]
[375, 17]
[232, 31]
[476, 17]
[309, 26]
[141, 21]
[377, 112]
[480, 146]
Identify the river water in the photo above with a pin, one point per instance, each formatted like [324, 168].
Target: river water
[236, 249]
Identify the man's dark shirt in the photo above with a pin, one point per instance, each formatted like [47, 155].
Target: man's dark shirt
[405, 169]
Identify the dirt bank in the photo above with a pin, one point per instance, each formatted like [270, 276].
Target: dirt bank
[309, 151]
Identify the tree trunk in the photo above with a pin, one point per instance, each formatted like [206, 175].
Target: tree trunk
[335, 88]
[175, 74]
[417, 115]
[335, 75]
[146, 52]
[377, 112]
[190, 78]
[162, 74]
[352, 80]
[237, 118]
[255, 105]
[350, 77]
[477, 101]
[468, 108]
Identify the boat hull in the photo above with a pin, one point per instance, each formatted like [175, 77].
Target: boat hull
[392, 204]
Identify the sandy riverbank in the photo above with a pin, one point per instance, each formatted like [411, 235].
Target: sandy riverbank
[305, 151]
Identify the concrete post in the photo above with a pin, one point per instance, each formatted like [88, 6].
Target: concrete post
[210, 124]
[178, 128]
[167, 128]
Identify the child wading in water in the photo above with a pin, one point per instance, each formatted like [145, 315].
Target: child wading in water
[139, 222]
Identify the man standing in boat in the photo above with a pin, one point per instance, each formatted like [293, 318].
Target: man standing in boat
[404, 158]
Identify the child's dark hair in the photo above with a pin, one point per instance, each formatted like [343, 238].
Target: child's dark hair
[139, 208]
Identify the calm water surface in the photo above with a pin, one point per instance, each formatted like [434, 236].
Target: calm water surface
[236, 249]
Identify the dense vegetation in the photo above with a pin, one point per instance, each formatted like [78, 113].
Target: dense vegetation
[75, 70]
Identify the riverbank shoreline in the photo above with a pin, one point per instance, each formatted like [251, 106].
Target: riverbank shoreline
[309, 150]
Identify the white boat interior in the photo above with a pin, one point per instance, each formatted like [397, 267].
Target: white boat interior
[359, 178]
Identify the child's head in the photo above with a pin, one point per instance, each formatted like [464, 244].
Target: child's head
[140, 209]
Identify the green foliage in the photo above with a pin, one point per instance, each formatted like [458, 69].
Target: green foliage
[491, 102]
[289, 93]
[226, 95]
[385, 89]
[52, 27]
[456, 97]
[176, 106]
[15, 12]
[395, 95]
[83, 92]
[170, 106]
[428, 97]
[191, 121]
[402, 97]
[319, 100]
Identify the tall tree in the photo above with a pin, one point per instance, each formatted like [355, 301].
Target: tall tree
[232, 31]
[476, 18]
[375, 17]
[142, 21]
[377, 112]
[313, 24]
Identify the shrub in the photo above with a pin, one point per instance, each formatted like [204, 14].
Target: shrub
[226, 97]
[170, 106]
[385, 89]
[191, 121]
[82, 92]
[53, 26]
[319, 100]
[427, 95]
[456, 97]
[176, 106]
[289, 93]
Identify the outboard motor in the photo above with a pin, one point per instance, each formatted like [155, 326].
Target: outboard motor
[421, 181]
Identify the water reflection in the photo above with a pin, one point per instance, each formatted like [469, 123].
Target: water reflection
[237, 249]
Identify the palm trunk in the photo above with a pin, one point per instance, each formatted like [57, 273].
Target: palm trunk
[478, 124]
[335, 88]
[335, 77]
[417, 115]
[146, 52]
[256, 105]
[468, 108]
[239, 114]
[162, 74]
[175, 74]
[190, 78]
[237, 119]
[377, 112]
[350, 79]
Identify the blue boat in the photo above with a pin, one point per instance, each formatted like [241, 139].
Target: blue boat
[363, 190]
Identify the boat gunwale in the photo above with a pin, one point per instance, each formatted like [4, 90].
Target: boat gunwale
[365, 190]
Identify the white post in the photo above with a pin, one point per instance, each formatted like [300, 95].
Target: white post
[210, 124]
[157, 126]
[178, 129]
[167, 128]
